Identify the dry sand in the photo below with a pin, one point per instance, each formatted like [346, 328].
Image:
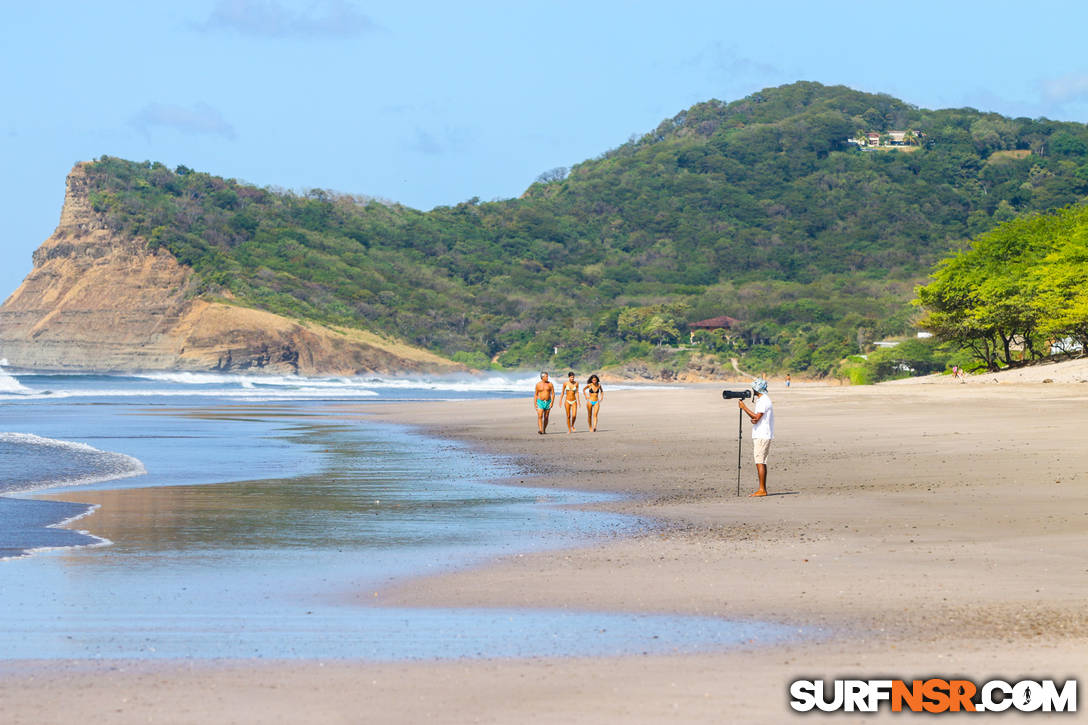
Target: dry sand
[918, 531]
[1063, 371]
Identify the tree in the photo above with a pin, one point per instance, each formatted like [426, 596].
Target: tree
[1004, 211]
[1064, 143]
[659, 329]
[1021, 284]
[1061, 281]
[557, 174]
[631, 322]
[874, 119]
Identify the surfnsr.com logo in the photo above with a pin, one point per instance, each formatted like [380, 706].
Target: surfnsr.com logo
[933, 695]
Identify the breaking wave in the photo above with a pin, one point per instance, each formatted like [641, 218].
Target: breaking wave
[29, 462]
[252, 387]
[9, 385]
[452, 383]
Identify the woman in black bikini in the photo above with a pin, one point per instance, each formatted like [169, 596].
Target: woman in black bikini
[594, 395]
[571, 391]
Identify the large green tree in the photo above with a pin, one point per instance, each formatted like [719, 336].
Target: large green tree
[1023, 285]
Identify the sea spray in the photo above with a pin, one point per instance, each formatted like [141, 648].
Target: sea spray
[9, 385]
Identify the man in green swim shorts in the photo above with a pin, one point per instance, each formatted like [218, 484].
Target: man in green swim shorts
[542, 401]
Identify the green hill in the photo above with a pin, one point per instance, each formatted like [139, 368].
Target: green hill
[760, 209]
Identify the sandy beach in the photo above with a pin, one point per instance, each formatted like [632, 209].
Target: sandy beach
[912, 531]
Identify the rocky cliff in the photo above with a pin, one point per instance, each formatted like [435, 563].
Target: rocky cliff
[97, 301]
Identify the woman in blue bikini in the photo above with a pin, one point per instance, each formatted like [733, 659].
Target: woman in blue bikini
[594, 395]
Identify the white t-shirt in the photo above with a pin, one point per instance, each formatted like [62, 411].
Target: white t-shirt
[765, 427]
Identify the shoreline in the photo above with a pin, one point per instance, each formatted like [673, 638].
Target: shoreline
[918, 536]
[695, 501]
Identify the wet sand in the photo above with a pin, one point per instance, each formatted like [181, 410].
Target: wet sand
[915, 531]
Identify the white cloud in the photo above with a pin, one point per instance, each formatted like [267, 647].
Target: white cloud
[1072, 86]
[723, 63]
[271, 19]
[200, 119]
[448, 140]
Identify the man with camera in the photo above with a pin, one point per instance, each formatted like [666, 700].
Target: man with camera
[762, 417]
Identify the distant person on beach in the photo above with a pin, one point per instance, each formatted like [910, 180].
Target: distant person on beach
[594, 395]
[787, 380]
[762, 417]
[542, 401]
[571, 392]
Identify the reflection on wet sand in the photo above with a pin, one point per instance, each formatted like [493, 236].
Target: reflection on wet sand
[378, 488]
[323, 511]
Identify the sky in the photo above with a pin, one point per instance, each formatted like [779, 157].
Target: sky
[432, 103]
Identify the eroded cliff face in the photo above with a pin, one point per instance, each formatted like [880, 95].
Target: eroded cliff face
[97, 301]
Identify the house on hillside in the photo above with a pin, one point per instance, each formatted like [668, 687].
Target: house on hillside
[724, 322]
[874, 139]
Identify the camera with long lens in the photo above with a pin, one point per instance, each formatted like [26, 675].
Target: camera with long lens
[742, 394]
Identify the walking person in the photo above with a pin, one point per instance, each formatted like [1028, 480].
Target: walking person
[762, 416]
[594, 394]
[543, 397]
[571, 392]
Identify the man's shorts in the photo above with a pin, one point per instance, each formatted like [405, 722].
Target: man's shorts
[762, 448]
[544, 404]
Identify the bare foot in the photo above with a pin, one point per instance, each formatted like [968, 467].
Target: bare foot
[757, 493]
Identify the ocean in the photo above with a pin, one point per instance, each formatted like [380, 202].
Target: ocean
[204, 516]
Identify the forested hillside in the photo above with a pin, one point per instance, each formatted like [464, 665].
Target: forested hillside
[760, 209]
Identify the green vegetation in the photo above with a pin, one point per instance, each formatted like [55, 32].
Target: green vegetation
[757, 209]
[908, 358]
[1016, 291]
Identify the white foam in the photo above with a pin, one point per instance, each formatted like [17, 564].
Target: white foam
[439, 382]
[452, 383]
[188, 378]
[98, 540]
[112, 465]
[307, 393]
[252, 387]
[644, 386]
[494, 383]
[9, 385]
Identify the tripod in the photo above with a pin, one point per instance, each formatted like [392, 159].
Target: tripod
[740, 436]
